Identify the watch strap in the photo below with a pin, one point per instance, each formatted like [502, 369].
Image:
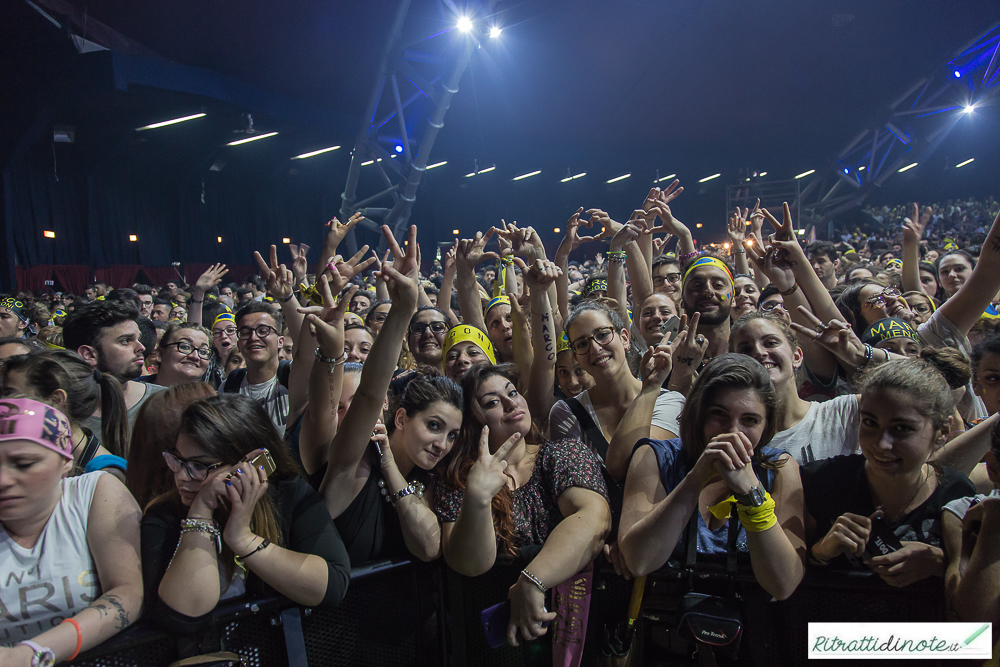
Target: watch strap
[44, 657]
[754, 498]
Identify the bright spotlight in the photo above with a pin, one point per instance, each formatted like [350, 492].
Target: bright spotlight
[464, 24]
[495, 31]
[399, 148]
[958, 74]
[969, 108]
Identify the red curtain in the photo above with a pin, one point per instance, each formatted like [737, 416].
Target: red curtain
[159, 275]
[72, 277]
[118, 276]
[236, 273]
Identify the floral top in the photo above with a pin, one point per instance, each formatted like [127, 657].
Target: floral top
[558, 466]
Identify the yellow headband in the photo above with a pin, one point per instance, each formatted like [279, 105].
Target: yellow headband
[594, 285]
[463, 333]
[709, 261]
[495, 301]
[224, 317]
[563, 345]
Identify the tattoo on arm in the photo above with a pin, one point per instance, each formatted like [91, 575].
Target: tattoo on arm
[996, 243]
[107, 604]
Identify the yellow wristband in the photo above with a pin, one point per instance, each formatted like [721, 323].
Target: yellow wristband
[754, 519]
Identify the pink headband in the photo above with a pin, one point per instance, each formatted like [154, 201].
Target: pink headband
[25, 419]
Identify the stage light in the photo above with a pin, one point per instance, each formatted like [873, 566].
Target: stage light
[802, 232]
[528, 175]
[763, 173]
[908, 167]
[698, 225]
[750, 242]
[969, 108]
[708, 178]
[286, 240]
[805, 173]
[49, 235]
[960, 164]
[133, 237]
[218, 239]
[249, 139]
[169, 122]
[619, 178]
[365, 164]
[495, 31]
[958, 74]
[573, 178]
[846, 170]
[399, 148]
[455, 232]
[862, 168]
[464, 24]
[665, 178]
[311, 153]
[556, 230]
[437, 164]
[481, 171]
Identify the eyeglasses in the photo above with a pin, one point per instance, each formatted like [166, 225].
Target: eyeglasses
[228, 331]
[262, 331]
[380, 317]
[768, 306]
[195, 470]
[418, 328]
[878, 300]
[660, 281]
[185, 347]
[602, 336]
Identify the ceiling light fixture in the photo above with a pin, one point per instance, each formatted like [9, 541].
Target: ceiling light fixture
[969, 108]
[862, 168]
[464, 24]
[249, 139]
[311, 153]
[365, 164]
[49, 235]
[481, 171]
[665, 178]
[908, 167]
[763, 173]
[495, 31]
[172, 121]
[805, 173]
[962, 164]
[528, 175]
[619, 178]
[437, 164]
[709, 178]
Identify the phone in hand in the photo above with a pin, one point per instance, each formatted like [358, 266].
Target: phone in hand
[670, 327]
[881, 540]
[495, 621]
[264, 460]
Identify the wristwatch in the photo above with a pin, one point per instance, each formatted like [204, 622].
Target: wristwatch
[44, 657]
[754, 497]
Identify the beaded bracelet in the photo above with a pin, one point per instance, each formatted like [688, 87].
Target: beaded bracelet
[617, 259]
[868, 356]
[533, 579]
[330, 360]
[685, 257]
[286, 299]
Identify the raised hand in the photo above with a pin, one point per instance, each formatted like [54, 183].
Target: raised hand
[660, 245]
[914, 226]
[729, 455]
[784, 230]
[245, 486]
[381, 439]
[277, 277]
[402, 276]
[630, 231]
[656, 364]
[836, 336]
[487, 476]
[210, 278]
[573, 238]
[449, 258]
[668, 223]
[766, 259]
[689, 347]
[338, 231]
[757, 221]
[540, 274]
[608, 226]
[671, 192]
[299, 265]
[472, 252]
[328, 320]
[341, 271]
[737, 228]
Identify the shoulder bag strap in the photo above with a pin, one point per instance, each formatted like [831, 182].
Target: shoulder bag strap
[734, 533]
[692, 540]
[591, 431]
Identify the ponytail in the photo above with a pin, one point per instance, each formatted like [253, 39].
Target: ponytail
[114, 415]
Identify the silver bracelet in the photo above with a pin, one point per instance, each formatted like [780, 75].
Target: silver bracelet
[330, 360]
[533, 579]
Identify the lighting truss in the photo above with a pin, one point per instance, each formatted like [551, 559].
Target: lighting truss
[907, 131]
[413, 90]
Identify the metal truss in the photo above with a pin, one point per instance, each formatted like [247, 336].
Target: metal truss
[413, 90]
[907, 132]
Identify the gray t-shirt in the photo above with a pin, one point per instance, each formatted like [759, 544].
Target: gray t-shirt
[93, 423]
[829, 429]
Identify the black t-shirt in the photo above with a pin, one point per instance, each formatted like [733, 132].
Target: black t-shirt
[305, 526]
[839, 485]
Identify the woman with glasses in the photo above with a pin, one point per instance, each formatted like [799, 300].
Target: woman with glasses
[425, 336]
[224, 335]
[375, 317]
[185, 351]
[234, 523]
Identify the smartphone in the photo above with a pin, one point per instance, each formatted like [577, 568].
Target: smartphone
[264, 460]
[881, 540]
[670, 327]
[495, 621]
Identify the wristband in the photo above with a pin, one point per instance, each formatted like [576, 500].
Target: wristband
[260, 547]
[286, 299]
[533, 579]
[869, 352]
[507, 260]
[754, 519]
[687, 256]
[791, 290]
[330, 360]
[79, 638]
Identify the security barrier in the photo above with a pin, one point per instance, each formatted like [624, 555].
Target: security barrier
[414, 614]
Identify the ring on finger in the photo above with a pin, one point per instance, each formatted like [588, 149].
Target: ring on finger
[700, 339]
[820, 328]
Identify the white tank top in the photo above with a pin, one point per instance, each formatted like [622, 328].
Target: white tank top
[55, 579]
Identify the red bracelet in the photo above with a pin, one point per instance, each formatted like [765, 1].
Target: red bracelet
[79, 637]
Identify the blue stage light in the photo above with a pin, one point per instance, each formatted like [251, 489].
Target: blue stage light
[958, 74]
[846, 170]
[399, 148]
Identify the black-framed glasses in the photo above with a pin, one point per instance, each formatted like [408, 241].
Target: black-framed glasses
[262, 331]
[195, 469]
[418, 328]
[768, 306]
[185, 347]
[672, 278]
[228, 331]
[602, 336]
[878, 300]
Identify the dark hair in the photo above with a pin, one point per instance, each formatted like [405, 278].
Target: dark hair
[174, 327]
[86, 391]
[147, 334]
[260, 307]
[990, 344]
[370, 313]
[239, 292]
[823, 248]
[421, 391]
[913, 377]
[254, 279]
[937, 262]
[423, 309]
[850, 304]
[156, 428]
[951, 362]
[355, 325]
[851, 281]
[160, 301]
[466, 451]
[124, 295]
[727, 371]
[613, 317]
[779, 324]
[142, 289]
[767, 293]
[31, 344]
[85, 325]
[663, 259]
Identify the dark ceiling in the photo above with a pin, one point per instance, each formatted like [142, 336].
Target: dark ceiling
[780, 79]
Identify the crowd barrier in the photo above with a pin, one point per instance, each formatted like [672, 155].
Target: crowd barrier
[421, 615]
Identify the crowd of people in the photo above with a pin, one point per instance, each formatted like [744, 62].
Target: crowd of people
[165, 448]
